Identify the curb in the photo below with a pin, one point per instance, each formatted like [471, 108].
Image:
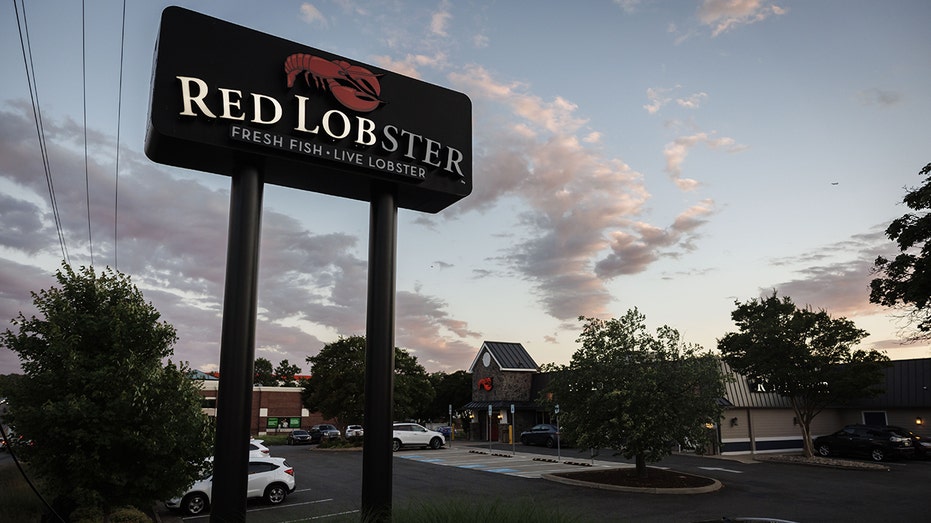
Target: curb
[716, 485]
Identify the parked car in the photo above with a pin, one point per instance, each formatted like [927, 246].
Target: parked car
[298, 437]
[877, 443]
[922, 445]
[257, 449]
[542, 434]
[323, 431]
[414, 435]
[269, 478]
[354, 430]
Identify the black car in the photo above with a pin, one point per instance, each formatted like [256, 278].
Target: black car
[323, 431]
[542, 434]
[922, 445]
[298, 437]
[877, 443]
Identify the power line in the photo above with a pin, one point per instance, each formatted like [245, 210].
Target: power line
[40, 128]
[119, 107]
[87, 188]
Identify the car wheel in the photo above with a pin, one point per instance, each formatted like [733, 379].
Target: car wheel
[395, 445]
[523, 441]
[550, 442]
[824, 450]
[877, 454]
[435, 443]
[195, 503]
[275, 493]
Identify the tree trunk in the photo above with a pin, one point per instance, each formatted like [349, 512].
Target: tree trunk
[641, 466]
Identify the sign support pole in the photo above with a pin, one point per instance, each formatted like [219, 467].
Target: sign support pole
[377, 453]
[237, 347]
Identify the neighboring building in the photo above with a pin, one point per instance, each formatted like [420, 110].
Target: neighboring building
[505, 376]
[759, 421]
[274, 409]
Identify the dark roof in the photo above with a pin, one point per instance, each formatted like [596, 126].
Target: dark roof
[741, 393]
[508, 355]
[907, 384]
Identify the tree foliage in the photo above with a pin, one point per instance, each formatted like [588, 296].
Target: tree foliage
[636, 392]
[285, 373]
[451, 389]
[337, 382]
[264, 375]
[113, 423]
[801, 354]
[905, 280]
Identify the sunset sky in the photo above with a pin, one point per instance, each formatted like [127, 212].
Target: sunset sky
[669, 156]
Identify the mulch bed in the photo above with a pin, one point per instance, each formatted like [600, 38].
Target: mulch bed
[627, 477]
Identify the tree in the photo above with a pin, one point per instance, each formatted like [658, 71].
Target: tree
[803, 355]
[264, 376]
[635, 392]
[906, 279]
[112, 424]
[285, 373]
[337, 382]
[451, 389]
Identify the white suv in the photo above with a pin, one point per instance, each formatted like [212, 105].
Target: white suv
[269, 478]
[414, 435]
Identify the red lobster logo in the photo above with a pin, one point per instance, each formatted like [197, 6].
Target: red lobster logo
[485, 383]
[355, 87]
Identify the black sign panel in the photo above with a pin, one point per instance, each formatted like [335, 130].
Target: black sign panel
[223, 95]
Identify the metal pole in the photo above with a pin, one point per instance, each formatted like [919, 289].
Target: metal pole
[237, 347]
[379, 356]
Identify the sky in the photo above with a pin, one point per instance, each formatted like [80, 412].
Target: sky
[676, 157]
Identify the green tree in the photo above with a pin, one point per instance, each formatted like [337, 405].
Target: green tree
[264, 375]
[113, 422]
[635, 392]
[285, 373]
[905, 281]
[803, 355]
[337, 382]
[451, 389]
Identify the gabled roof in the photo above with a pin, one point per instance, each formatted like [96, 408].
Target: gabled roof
[509, 356]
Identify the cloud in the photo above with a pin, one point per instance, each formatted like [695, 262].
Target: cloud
[579, 224]
[677, 150]
[411, 64]
[440, 19]
[661, 96]
[724, 15]
[312, 15]
[842, 288]
[880, 97]
[172, 242]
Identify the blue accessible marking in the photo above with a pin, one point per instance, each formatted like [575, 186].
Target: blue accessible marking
[500, 471]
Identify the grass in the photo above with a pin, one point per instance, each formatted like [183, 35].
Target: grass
[17, 501]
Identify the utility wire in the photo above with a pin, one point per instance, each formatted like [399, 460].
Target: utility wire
[40, 128]
[119, 107]
[87, 188]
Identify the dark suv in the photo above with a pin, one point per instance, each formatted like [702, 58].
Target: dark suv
[877, 443]
[321, 432]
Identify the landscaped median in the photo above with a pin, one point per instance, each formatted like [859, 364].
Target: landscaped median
[624, 479]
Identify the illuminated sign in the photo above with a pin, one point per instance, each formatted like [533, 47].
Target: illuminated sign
[224, 95]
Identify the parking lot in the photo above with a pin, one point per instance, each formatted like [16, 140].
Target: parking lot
[329, 487]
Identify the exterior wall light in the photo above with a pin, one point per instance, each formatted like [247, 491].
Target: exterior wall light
[733, 422]
[918, 420]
